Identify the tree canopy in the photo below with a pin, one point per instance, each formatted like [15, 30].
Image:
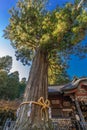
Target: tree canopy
[56, 32]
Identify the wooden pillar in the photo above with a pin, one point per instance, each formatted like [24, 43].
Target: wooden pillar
[80, 114]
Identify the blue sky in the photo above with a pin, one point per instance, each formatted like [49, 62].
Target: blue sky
[77, 67]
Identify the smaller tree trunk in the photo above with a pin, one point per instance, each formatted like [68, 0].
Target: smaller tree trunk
[37, 87]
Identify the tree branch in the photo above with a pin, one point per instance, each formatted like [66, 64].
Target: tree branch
[79, 5]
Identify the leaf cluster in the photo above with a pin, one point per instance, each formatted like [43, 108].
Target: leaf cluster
[6, 63]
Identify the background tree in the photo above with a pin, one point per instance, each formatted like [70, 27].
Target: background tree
[9, 83]
[22, 86]
[3, 84]
[41, 35]
[13, 85]
[5, 66]
[6, 63]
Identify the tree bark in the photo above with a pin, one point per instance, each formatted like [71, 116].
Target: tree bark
[37, 87]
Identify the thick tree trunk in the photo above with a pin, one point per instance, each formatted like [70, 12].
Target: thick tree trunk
[37, 87]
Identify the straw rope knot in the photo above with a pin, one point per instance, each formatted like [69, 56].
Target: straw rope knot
[45, 104]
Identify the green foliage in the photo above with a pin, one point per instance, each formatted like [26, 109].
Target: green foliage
[58, 77]
[6, 63]
[24, 29]
[22, 86]
[56, 32]
[3, 83]
[13, 85]
[57, 71]
[9, 85]
[8, 82]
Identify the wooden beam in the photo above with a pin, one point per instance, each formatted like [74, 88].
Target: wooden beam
[80, 114]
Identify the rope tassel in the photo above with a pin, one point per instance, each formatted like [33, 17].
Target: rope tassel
[50, 113]
[30, 109]
[17, 113]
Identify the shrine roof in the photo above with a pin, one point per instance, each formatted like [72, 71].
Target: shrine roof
[67, 87]
[55, 88]
[74, 84]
